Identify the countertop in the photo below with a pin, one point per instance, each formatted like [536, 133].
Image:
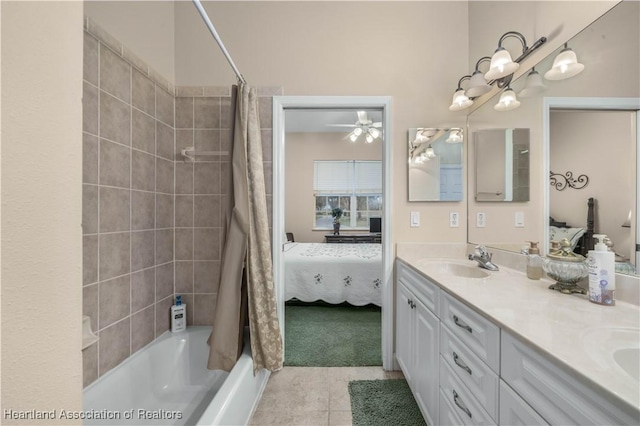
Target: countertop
[565, 327]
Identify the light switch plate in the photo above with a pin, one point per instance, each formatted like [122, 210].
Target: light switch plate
[519, 219]
[481, 220]
[415, 219]
[454, 220]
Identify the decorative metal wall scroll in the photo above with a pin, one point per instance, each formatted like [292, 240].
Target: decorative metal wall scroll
[563, 181]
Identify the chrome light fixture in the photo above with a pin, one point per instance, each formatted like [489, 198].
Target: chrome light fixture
[460, 99]
[533, 85]
[429, 152]
[508, 101]
[501, 63]
[565, 65]
[478, 84]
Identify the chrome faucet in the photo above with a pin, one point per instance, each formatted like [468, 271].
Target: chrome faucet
[483, 257]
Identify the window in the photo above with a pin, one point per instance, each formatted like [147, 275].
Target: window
[355, 186]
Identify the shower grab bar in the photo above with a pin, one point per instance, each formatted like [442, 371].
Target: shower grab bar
[190, 153]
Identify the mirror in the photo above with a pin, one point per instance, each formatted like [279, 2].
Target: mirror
[435, 164]
[611, 40]
[502, 164]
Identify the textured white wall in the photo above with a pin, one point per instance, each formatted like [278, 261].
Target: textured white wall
[41, 207]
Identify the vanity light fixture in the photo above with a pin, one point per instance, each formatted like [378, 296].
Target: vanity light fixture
[508, 101]
[565, 65]
[455, 136]
[501, 63]
[533, 85]
[460, 99]
[478, 84]
[429, 152]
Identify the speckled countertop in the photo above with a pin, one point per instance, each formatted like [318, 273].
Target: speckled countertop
[576, 333]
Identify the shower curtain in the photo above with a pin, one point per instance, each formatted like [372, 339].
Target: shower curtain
[247, 247]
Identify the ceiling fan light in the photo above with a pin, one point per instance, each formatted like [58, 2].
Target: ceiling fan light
[368, 138]
[460, 101]
[374, 132]
[565, 65]
[533, 85]
[508, 101]
[357, 131]
[477, 85]
[501, 65]
[353, 137]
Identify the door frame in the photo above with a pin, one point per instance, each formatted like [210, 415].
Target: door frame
[282, 103]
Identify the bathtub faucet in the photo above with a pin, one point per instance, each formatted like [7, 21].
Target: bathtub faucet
[483, 257]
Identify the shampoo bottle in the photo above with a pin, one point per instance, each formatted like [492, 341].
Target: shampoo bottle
[534, 262]
[178, 315]
[602, 274]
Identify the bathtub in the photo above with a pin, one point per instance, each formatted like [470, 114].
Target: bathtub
[167, 383]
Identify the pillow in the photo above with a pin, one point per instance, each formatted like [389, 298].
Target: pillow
[572, 234]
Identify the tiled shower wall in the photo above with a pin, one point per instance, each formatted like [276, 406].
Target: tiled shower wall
[153, 224]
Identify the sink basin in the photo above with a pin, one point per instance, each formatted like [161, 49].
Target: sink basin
[628, 360]
[452, 268]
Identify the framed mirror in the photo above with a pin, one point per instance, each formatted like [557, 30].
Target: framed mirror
[435, 164]
[502, 164]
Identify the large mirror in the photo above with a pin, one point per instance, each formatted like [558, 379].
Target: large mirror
[502, 164]
[579, 148]
[435, 164]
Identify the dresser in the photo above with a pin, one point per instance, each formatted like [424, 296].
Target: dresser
[353, 238]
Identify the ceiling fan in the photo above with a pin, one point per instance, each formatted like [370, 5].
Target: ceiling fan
[364, 126]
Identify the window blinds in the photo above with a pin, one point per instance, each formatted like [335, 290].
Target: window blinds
[347, 177]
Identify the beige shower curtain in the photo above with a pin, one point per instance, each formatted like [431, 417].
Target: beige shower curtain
[247, 245]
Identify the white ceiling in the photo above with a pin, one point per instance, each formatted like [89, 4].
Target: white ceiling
[317, 120]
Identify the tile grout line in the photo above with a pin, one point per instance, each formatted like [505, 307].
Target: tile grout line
[99, 372]
[130, 207]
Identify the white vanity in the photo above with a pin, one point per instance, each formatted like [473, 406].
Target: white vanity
[494, 348]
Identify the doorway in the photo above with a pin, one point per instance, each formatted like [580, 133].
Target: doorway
[281, 105]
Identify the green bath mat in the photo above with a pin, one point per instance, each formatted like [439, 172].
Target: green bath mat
[383, 402]
[332, 336]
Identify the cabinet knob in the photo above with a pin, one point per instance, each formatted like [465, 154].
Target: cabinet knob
[461, 364]
[460, 404]
[457, 321]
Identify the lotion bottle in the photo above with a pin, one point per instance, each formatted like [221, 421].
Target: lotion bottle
[534, 262]
[602, 274]
[178, 315]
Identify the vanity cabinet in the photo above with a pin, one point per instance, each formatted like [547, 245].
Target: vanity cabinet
[417, 338]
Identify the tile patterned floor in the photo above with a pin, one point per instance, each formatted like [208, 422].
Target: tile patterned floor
[312, 395]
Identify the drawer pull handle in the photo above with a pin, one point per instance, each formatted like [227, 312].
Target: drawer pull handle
[461, 324]
[460, 404]
[409, 302]
[461, 364]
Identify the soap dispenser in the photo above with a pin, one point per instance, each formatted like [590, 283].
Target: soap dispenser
[534, 262]
[602, 274]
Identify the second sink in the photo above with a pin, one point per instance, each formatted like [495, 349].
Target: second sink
[447, 267]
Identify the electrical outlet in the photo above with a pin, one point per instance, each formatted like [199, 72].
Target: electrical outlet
[415, 219]
[481, 220]
[519, 219]
[454, 219]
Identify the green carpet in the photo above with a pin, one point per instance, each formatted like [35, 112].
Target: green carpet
[332, 336]
[383, 402]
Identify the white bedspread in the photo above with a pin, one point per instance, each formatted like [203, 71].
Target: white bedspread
[334, 273]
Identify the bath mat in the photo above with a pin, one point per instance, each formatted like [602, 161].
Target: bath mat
[332, 336]
[383, 402]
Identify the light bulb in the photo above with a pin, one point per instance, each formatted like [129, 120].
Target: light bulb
[460, 101]
[357, 131]
[508, 101]
[353, 137]
[429, 152]
[374, 132]
[369, 138]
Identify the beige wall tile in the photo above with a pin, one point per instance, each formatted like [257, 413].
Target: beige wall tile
[217, 91]
[184, 139]
[114, 209]
[184, 243]
[115, 160]
[114, 300]
[265, 107]
[184, 277]
[206, 113]
[114, 345]
[184, 113]
[267, 144]
[90, 109]
[89, 158]
[189, 91]
[143, 93]
[115, 75]
[164, 176]
[163, 315]
[89, 259]
[143, 171]
[164, 211]
[89, 365]
[114, 255]
[89, 209]
[206, 242]
[184, 178]
[164, 106]
[268, 177]
[206, 276]
[142, 250]
[143, 131]
[184, 210]
[226, 113]
[142, 210]
[164, 141]
[142, 328]
[90, 304]
[143, 289]
[164, 246]
[90, 59]
[207, 140]
[164, 281]
[203, 309]
[207, 178]
[207, 211]
[115, 119]
[187, 299]
[226, 142]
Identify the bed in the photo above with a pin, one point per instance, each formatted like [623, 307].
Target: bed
[334, 273]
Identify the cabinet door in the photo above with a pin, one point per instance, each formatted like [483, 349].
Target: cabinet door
[514, 411]
[404, 331]
[426, 373]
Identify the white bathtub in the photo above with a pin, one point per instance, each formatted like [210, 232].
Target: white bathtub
[167, 383]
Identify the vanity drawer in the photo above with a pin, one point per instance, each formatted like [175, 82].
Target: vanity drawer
[475, 374]
[424, 289]
[475, 331]
[555, 392]
[514, 411]
[469, 410]
[448, 413]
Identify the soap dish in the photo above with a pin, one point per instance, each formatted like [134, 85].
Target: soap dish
[88, 338]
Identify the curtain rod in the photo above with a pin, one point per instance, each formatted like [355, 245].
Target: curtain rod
[215, 35]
